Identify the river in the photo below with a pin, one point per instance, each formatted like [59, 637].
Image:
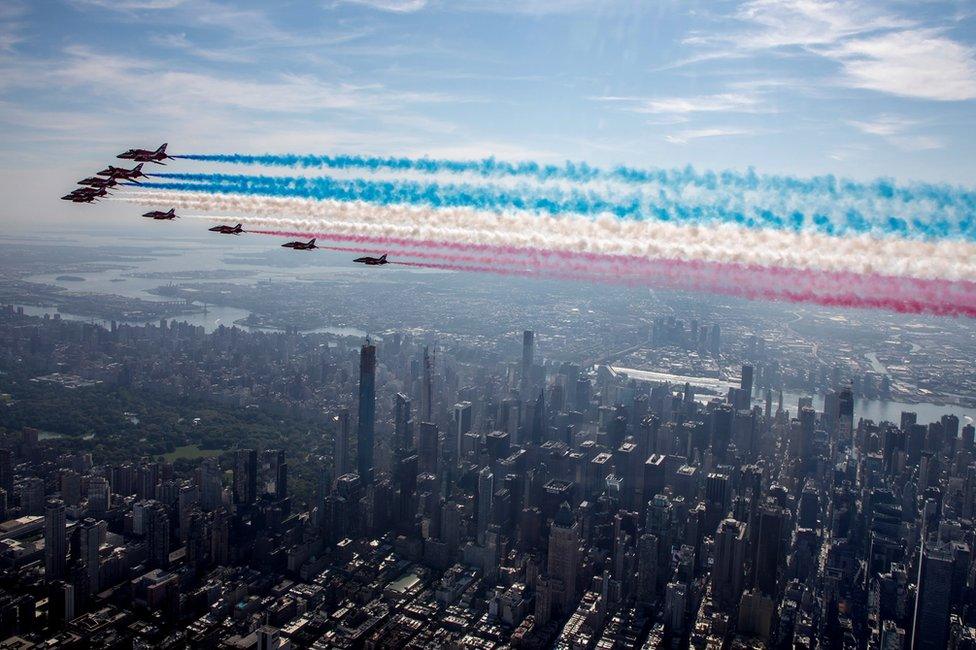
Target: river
[168, 259]
[871, 409]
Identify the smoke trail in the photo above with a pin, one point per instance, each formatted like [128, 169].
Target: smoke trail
[780, 212]
[770, 291]
[748, 181]
[838, 289]
[916, 296]
[608, 236]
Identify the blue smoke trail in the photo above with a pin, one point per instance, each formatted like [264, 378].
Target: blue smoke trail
[555, 201]
[824, 186]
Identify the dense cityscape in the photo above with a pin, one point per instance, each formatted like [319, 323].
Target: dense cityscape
[166, 486]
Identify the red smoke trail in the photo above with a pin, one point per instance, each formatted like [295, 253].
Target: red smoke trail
[828, 288]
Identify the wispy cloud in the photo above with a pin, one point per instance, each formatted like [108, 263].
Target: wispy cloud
[132, 5]
[808, 23]
[884, 125]
[12, 15]
[898, 131]
[527, 7]
[182, 43]
[531, 7]
[684, 137]
[133, 81]
[920, 63]
[395, 6]
[717, 103]
[874, 49]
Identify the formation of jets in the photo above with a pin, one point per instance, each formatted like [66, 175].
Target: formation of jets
[98, 186]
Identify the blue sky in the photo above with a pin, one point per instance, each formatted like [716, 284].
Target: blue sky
[852, 87]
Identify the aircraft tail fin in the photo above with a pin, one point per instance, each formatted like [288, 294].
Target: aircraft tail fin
[312, 242]
[138, 167]
[172, 211]
[162, 148]
[383, 257]
[238, 227]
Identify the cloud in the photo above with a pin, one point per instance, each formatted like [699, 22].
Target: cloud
[130, 81]
[806, 23]
[884, 125]
[182, 43]
[395, 6]
[683, 137]
[717, 103]
[896, 131]
[524, 7]
[530, 7]
[919, 63]
[11, 25]
[874, 49]
[132, 5]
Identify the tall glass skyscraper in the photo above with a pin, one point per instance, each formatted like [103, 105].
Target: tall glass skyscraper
[367, 412]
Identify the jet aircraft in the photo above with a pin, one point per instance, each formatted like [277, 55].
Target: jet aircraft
[300, 245]
[84, 195]
[145, 155]
[159, 215]
[78, 198]
[228, 230]
[372, 261]
[98, 181]
[123, 173]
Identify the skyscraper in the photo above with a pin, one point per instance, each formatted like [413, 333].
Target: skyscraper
[647, 568]
[99, 496]
[768, 551]
[245, 477]
[341, 451]
[528, 360]
[462, 423]
[486, 491]
[281, 477]
[563, 557]
[91, 540]
[932, 602]
[402, 424]
[211, 487]
[367, 412]
[720, 425]
[156, 527]
[55, 540]
[808, 423]
[428, 447]
[275, 479]
[730, 559]
[845, 415]
[427, 388]
[746, 384]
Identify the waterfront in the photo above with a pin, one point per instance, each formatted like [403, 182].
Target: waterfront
[872, 409]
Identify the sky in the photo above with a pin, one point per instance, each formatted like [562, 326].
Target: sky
[854, 88]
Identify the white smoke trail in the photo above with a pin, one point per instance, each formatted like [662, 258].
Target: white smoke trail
[726, 243]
